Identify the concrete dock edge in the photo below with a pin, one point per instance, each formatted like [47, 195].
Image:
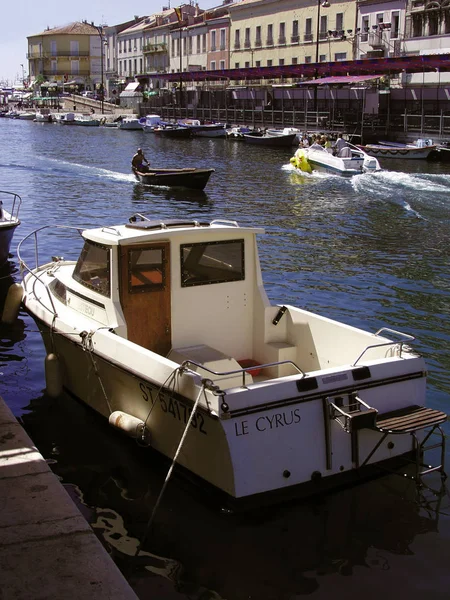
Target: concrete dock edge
[47, 549]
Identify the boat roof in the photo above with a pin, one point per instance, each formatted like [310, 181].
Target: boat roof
[142, 230]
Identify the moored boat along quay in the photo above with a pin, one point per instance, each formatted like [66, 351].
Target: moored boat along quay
[47, 548]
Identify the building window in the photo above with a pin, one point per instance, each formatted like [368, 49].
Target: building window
[213, 41]
[190, 45]
[294, 38]
[53, 48]
[247, 38]
[323, 32]
[129, 45]
[308, 30]
[281, 62]
[294, 60]
[198, 44]
[204, 43]
[222, 65]
[340, 56]
[340, 22]
[269, 63]
[270, 35]
[222, 39]
[247, 64]
[236, 65]
[282, 34]
[54, 65]
[258, 63]
[258, 36]
[237, 39]
[308, 59]
[213, 65]
[365, 29]
[395, 24]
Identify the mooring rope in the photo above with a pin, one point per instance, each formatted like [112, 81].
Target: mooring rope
[169, 472]
[88, 346]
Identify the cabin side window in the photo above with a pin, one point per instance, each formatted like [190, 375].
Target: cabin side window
[146, 270]
[93, 268]
[205, 263]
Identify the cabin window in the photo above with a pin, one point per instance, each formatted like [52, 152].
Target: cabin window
[93, 268]
[146, 270]
[206, 263]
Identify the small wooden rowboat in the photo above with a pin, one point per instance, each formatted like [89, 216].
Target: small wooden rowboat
[192, 178]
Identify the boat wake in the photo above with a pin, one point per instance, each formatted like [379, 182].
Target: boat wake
[58, 166]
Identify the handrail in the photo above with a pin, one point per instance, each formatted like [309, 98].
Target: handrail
[16, 202]
[226, 221]
[243, 370]
[390, 343]
[24, 266]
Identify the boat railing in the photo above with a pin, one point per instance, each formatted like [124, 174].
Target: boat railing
[16, 202]
[243, 370]
[400, 343]
[24, 267]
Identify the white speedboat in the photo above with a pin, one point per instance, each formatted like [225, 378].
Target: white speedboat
[132, 123]
[87, 121]
[165, 329]
[9, 220]
[43, 115]
[399, 151]
[350, 161]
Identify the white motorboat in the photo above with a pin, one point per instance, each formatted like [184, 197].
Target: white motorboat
[399, 151]
[150, 122]
[87, 121]
[286, 131]
[165, 329]
[199, 129]
[350, 161]
[132, 123]
[9, 221]
[43, 115]
[67, 118]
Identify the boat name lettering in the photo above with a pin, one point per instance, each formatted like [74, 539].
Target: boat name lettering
[334, 378]
[177, 409]
[87, 309]
[266, 423]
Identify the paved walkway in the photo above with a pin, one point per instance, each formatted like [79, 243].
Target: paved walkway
[47, 549]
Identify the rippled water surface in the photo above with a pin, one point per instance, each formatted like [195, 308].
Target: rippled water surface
[371, 251]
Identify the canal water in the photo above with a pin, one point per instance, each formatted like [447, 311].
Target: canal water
[372, 251]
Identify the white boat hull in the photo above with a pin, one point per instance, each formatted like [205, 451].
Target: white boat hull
[405, 153]
[171, 334]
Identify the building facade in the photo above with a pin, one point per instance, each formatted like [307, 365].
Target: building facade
[71, 55]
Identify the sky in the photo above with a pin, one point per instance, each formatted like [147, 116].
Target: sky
[30, 18]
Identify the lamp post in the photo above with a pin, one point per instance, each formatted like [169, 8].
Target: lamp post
[324, 4]
[99, 28]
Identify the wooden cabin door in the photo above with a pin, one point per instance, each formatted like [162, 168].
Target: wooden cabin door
[145, 295]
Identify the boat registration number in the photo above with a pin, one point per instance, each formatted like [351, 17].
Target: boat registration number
[170, 406]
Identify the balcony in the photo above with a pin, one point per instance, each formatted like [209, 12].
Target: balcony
[269, 41]
[376, 40]
[60, 54]
[154, 48]
[282, 40]
[61, 72]
[308, 37]
[258, 42]
[247, 44]
[295, 39]
[237, 45]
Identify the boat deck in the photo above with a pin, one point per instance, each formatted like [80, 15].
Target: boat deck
[409, 419]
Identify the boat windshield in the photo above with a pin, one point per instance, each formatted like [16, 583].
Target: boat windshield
[212, 262]
[93, 268]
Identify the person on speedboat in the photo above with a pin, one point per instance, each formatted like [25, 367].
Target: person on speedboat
[138, 160]
[339, 145]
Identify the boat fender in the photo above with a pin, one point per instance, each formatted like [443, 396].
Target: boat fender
[53, 375]
[130, 425]
[12, 303]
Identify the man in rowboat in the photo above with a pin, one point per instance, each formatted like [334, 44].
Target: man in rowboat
[138, 160]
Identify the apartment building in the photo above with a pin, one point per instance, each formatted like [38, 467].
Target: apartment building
[71, 54]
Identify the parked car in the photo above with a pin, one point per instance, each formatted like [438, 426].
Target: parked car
[88, 94]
